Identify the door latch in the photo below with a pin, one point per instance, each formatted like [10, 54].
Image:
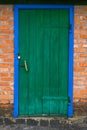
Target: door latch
[25, 65]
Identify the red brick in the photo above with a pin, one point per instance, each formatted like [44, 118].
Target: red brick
[84, 8]
[4, 70]
[4, 37]
[83, 17]
[79, 41]
[4, 93]
[11, 97]
[76, 65]
[6, 31]
[4, 83]
[83, 27]
[83, 64]
[4, 97]
[3, 45]
[3, 18]
[4, 74]
[84, 74]
[7, 13]
[8, 60]
[79, 22]
[7, 41]
[79, 50]
[6, 79]
[77, 96]
[78, 78]
[76, 18]
[75, 35]
[79, 60]
[7, 51]
[79, 69]
[4, 27]
[83, 55]
[84, 91]
[10, 92]
[4, 65]
[4, 23]
[11, 101]
[85, 45]
[84, 36]
[6, 88]
[12, 74]
[4, 101]
[11, 22]
[80, 31]
[3, 56]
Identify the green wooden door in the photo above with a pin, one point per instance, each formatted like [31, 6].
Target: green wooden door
[43, 66]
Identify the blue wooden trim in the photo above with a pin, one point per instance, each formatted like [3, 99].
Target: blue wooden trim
[71, 52]
[40, 6]
[15, 62]
[71, 38]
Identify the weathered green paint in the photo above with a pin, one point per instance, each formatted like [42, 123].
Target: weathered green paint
[43, 43]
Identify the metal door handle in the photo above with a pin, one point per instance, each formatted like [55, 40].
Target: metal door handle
[25, 65]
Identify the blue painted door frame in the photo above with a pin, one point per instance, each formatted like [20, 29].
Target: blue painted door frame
[71, 43]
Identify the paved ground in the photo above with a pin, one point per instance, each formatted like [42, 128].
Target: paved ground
[60, 127]
[31, 124]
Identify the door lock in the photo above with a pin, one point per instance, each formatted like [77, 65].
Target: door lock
[19, 57]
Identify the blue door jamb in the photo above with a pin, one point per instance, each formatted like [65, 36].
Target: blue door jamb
[71, 58]
[71, 44]
[16, 62]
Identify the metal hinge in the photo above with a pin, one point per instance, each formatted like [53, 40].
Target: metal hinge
[70, 27]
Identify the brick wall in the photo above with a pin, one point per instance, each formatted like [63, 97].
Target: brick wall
[80, 58]
[7, 56]
[80, 55]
